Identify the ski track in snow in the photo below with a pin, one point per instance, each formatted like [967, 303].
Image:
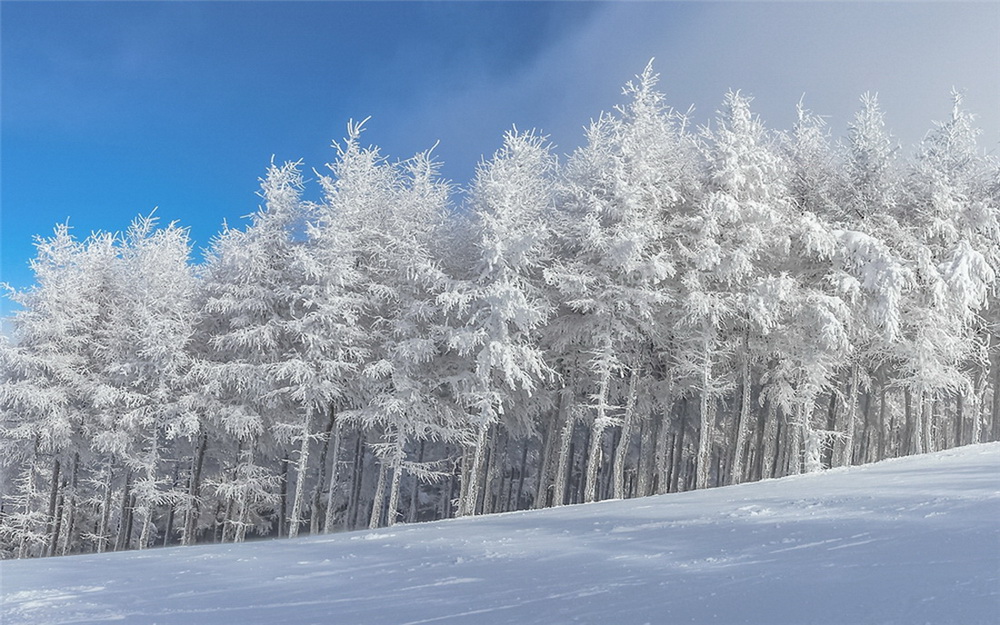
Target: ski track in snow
[913, 540]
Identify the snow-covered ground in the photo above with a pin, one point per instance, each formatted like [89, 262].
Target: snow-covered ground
[913, 540]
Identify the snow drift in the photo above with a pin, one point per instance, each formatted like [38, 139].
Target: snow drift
[912, 540]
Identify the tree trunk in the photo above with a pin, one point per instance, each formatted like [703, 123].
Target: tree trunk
[663, 455]
[282, 500]
[677, 456]
[415, 491]
[392, 513]
[317, 497]
[331, 494]
[53, 548]
[476, 471]
[194, 492]
[379, 500]
[103, 532]
[151, 475]
[493, 469]
[357, 480]
[301, 468]
[959, 418]
[706, 413]
[601, 421]
[169, 524]
[883, 413]
[625, 441]
[53, 498]
[71, 515]
[544, 482]
[125, 522]
[647, 457]
[830, 449]
[563, 469]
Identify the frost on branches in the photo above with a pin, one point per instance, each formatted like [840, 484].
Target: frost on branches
[667, 308]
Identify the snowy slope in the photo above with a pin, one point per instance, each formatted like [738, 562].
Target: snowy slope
[914, 540]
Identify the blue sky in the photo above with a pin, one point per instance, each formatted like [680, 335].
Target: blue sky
[109, 109]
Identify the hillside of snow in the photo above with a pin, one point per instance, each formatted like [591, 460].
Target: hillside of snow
[912, 540]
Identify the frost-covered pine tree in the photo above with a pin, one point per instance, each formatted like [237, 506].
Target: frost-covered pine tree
[614, 224]
[43, 392]
[737, 233]
[504, 302]
[251, 305]
[396, 214]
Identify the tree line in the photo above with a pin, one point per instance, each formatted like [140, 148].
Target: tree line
[667, 308]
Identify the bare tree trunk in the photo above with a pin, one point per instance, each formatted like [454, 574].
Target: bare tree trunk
[194, 492]
[282, 500]
[71, 505]
[125, 522]
[357, 480]
[379, 500]
[151, 474]
[464, 468]
[959, 418]
[477, 471]
[301, 469]
[601, 421]
[677, 456]
[563, 469]
[647, 457]
[59, 516]
[927, 424]
[522, 472]
[103, 532]
[625, 441]
[169, 524]
[392, 514]
[883, 412]
[664, 446]
[317, 495]
[707, 415]
[415, 491]
[846, 447]
[53, 498]
[493, 469]
[331, 494]
[544, 483]
[743, 421]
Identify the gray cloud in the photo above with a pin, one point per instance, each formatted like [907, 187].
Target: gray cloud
[911, 54]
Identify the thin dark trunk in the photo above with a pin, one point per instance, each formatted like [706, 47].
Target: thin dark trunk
[678, 453]
[831, 426]
[357, 480]
[544, 484]
[415, 491]
[104, 530]
[282, 500]
[561, 486]
[59, 516]
[316, 505]
[53, 500]
[194, 493]
[378, 501]
[521, 475]
[125, 518]
[71, 520]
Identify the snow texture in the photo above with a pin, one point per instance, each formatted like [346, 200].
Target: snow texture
[911, 540]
